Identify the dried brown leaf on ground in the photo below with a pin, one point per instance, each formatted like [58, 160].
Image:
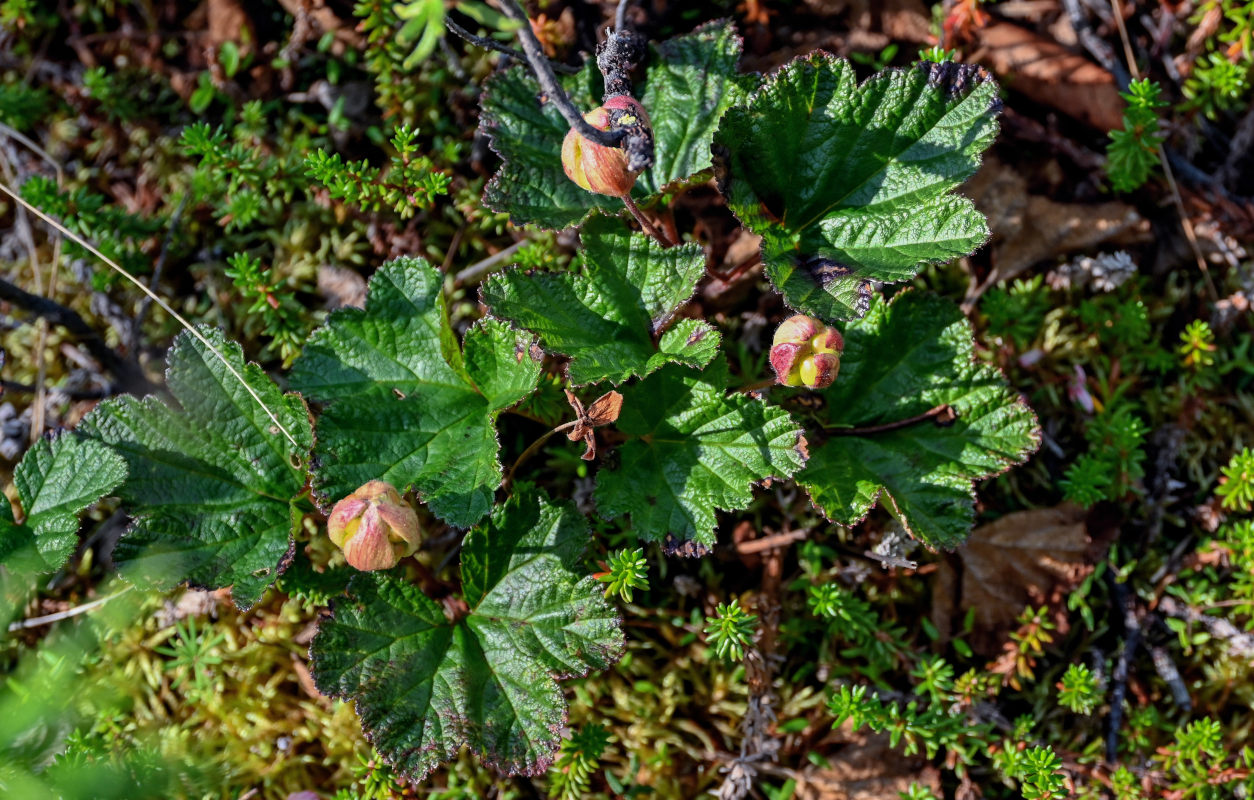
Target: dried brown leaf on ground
[229, 22]
[906, 21]
[1027, 557]
[1050, 74]
[1029, 228]
[866, 768]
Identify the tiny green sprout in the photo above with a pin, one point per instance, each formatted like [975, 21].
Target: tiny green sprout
[935, 677]
[626, 570]
[1086, 481]
[1197, 344]
[918, 791]
[1236, 488]
[1078, 689]
[1125, 785]
[936, 54]
[730, 630]
[1040, 774]
[571, 773]
[1132, 153]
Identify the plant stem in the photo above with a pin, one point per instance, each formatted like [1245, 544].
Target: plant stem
[757, 386]
[492, 44]
[536, 445]
[941, 413]
[648, 226]
[543, 70]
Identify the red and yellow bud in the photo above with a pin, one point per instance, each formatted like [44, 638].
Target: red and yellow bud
[596, 167]
[374, 527]
[805, 352]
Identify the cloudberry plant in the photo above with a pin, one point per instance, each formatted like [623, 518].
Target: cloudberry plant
[398, 413]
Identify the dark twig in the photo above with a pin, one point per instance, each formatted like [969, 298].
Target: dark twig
[533, 52]
[1171, 676]
[1096, 46]
[492, 44]
[1242, 146]
[13, 387]
[771, 542]
[1119, 680]
[620, 15]
[942, 414]
[128, 373]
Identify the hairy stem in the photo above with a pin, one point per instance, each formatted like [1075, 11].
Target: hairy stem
[941, 414]
[648, 226]
[534, 54]
[493, 44]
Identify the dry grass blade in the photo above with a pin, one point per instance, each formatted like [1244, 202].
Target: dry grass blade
[83, 243]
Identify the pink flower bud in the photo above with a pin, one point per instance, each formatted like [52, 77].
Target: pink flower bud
[596, 167]
[374, 527]
[805, 352]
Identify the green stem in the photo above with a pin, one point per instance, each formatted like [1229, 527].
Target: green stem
[536, 445]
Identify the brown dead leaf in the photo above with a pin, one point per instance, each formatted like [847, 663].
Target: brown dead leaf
[341, 286]
[229, 22]
[906, 21]
[867, 768]
[1034, 556]
[603, 411]
[1050, 74]
[1028, 228]
[326, 20]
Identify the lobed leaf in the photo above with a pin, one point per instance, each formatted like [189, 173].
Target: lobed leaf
[690, 81]
[903, 359]
[849, 184]
[607, 317]
[425, 685]
[694, 449]
[404, 404]
[212, 480]
[58, 478]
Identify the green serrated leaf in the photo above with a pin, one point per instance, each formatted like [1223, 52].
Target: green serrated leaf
[690, 81]
[606, 317]
[57, 479]
[902, 360]
[212, 478]
[851, 184]
[405, 405]
[424, 686]
[694, 449]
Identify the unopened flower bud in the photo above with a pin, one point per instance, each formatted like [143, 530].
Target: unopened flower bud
[805, 352]
[597, 167]
[374, 527]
